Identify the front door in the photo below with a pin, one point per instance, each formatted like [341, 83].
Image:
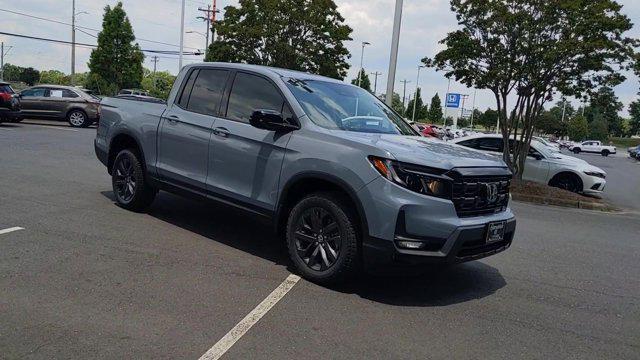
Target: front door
[185, 129]
[245, 161]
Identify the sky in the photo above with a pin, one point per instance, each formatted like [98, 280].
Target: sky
[424, 24]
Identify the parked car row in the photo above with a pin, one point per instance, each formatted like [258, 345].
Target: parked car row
[634, 152]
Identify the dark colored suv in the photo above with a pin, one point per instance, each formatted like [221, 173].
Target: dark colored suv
[68, 103]
[9, 104]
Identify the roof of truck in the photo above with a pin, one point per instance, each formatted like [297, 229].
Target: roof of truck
[268, 69]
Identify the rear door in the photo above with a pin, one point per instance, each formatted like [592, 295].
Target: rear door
[58, 101]
[185, 129]
[245, 161]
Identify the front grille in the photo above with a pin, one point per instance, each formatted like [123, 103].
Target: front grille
[472, 192]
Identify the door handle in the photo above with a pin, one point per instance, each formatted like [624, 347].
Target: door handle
[173, 118]
[222, 132]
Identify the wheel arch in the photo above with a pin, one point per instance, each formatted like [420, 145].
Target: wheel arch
[121, 141]
[566, 172]
[74, 108]
[310, 182]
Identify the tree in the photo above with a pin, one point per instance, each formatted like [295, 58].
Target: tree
[634, 122]
[421, 112]
[435, 113]
[598, 129]
[365, 82]
[302, 35]
[553, 122]
[526, 51]
[29, 76]
[54, 77]
[117, 61]
[605, 104]
[578, 128]
[12, 72]
[396, 103]
[488, 119]
[158, 84]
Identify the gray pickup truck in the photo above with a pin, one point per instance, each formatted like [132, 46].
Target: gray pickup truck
[343, 178]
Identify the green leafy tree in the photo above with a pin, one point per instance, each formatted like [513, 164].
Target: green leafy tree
[55, 77]
[578, 128]
[117, 61]
[421, 113]
[488, 119]
[528, 50]
[598, 129]
[435, 113]
[302, 35]
[634, 122]
[552, 121]
[29, 76]
[158, 84]
[365, 82]
[396, 103]
[12, 72]
[605, 104]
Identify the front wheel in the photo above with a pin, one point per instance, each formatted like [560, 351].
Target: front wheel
[567, 181]
[605, 153]
[128, 181]
[576, 150]
[322, 238]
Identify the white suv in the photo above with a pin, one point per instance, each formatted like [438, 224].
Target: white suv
[545, 166]
[593, 146]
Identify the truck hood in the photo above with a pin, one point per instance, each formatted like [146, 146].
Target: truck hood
[424, 151]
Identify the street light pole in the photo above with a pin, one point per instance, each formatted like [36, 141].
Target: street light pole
[181, 37]
[404, 92]
[446, 109]
[393, 58]
[415, 97]
[364, 43]
[473, 110]
[73, 40]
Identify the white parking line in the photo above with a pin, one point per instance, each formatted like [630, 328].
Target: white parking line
[6, 231]
[52, 127]
[227, 341]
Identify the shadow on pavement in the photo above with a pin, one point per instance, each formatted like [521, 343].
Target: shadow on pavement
[406, 286]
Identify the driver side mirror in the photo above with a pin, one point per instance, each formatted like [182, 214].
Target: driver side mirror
[537, 156]
[270, 120]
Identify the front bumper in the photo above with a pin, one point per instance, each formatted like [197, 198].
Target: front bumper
[592, 185]
[394, 213]
[10, 115]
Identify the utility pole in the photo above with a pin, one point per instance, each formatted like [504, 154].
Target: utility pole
[564, 108]
[455, 121]
[446, 108]
[393, 58]
[181, 37]
[404, 92]
[475, 91]
[208, 18]
[375, 82]
[154, 60]
[2, 61]
[73, 41]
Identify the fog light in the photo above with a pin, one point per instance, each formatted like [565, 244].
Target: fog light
[410, 244]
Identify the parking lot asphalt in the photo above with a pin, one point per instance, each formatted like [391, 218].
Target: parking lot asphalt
[87, 279]
[623, 177]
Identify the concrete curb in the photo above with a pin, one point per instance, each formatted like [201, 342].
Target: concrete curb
[544, 200]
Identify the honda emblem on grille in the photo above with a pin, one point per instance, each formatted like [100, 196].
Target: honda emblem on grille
[492, 192]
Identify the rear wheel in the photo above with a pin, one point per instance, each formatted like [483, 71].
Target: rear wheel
[128, 180]
[605, 152]
[78, 118]
[567, 181]
[322, 238]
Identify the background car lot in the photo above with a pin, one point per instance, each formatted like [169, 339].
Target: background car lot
[86, 279]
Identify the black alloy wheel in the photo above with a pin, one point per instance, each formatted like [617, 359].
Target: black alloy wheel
[317, 238]
[125, 181]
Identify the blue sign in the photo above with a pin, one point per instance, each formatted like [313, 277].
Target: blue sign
[453, 100]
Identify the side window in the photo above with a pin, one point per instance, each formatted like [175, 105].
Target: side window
[183, 99]
[54, 93]
[250, 93]
[472, 143]
[207, 91]
[490, 144]
[39, 92]
[69, 94]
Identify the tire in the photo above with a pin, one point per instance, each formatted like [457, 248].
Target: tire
[576, 150]
[605, 152]
[567, 181]
[130, 189]
[78, 119]
[322, 238]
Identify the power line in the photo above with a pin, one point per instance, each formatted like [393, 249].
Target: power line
[166, 52]
[86, 28]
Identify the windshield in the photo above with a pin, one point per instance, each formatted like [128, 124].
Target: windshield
[345, 107]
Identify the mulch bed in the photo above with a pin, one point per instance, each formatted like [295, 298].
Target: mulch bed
[536, 193]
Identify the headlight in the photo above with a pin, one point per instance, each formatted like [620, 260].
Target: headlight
[416, 178]
[596, 174]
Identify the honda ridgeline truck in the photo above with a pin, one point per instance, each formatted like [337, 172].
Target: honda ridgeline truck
[343, 178]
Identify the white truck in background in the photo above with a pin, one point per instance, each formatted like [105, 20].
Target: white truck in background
[593, 146]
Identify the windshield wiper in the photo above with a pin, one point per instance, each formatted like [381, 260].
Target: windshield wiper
[300, 83]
